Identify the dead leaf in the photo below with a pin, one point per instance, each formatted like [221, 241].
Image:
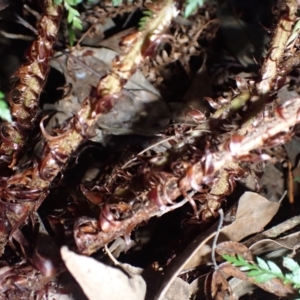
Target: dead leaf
[102, 282]
[289, 243]
[234, 248]
[139, 108]
[179, 290]
[219, 287]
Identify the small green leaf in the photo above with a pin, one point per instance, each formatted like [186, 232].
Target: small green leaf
[229, 258]
[294, 33]
[296, 279]
[297, 179]
[255, 273]
[241, 261]
[77, 23]
[2, 95]
[148, 13]
[264, 277]
[246, 268]
[274, 268]
[191, 6]
[289, 263]
[117, 2]
[70, 16]
[72, 36]
[74, 12]
[262, 264]
[4, 111]
[73, 2]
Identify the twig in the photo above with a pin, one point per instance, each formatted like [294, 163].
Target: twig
[214, 244]
[116, 263]
[290, 182]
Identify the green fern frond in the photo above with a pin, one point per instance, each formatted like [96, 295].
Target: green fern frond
[74, 21]
[117, 2]
[191, 6]
[266, 270]
[4, 110]
[147, 14]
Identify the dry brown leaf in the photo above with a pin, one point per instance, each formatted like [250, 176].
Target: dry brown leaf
[179, 290]
[234, 248]
[289, 243]
[102, 282]
[219, 288]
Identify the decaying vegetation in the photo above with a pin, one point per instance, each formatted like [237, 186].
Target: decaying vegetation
[198, 158]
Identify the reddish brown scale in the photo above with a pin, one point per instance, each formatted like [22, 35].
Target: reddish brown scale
[129, 39]
[49, 137]
[234, 144]
[153, 6]
[212, 103]
[48, 166]
[106, 219]
[252, 157]
[166, 197]
[104, 105]
[279, 111]
[190, 176]
[21, 178]
[160, 194]
[88, 229]
[154, 196]
[210, 203]
[287, 65]
[223, 101]
[207, 214]
[11, 132]
[149, 47]
[202, 198]
[279, 139]
[93, 197]
[179, 168]
[81, 126]
[208, 168]
[280, 81]
[59, 155]
[88, 53]
[286, 12]
[232, 184]
[85, 232]
[196, 115]
[121, 211]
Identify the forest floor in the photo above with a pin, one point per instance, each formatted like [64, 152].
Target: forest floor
[139, 201]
